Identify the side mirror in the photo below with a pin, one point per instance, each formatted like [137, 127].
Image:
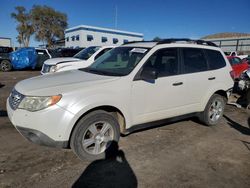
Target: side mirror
[149, 73]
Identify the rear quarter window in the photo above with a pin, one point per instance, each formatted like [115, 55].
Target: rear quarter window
[215, 59]
[194, 60]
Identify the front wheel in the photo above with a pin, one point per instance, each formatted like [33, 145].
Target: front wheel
[94, 134]
[214, 110]
[6, 65]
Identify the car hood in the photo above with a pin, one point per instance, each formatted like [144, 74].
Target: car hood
[60, 83]
[55, 61]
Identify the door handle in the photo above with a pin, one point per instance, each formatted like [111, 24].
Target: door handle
[177, 83]
[211, 78]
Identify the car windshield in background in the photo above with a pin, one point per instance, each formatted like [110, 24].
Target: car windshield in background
[119, 61]
[86, 53]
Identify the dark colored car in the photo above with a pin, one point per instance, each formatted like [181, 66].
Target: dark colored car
[5, 64]
[65, 52]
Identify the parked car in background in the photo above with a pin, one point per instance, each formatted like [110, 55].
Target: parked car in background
[34, 58]
[125, 89]
[247, 60]
[65, 52]
[238, 65]
[234, 53]
[5, 64]
[82, 59]
[29, 57]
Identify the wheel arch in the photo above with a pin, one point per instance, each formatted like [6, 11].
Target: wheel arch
[222, 93]
[206, 98]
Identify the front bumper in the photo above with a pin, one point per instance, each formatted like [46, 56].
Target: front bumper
[50, 127]
[40, 138]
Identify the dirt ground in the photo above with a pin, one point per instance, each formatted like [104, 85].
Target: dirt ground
[180, 154]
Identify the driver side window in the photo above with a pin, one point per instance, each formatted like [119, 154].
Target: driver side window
[165, 61]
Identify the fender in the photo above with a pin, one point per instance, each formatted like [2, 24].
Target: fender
[95, 101]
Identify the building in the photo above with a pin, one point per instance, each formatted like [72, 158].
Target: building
[85, 36]
[5, 41]
[238, 44]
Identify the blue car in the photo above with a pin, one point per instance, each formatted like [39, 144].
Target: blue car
[28, 58]
[23, 58]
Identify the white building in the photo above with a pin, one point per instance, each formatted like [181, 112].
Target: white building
[85, 36]
[5, 41]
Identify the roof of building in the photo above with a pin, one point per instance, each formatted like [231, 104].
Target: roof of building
[227, 35]
[103, 30]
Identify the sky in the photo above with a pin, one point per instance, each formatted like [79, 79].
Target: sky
[162, 18]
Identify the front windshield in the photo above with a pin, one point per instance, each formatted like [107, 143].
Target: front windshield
[119, 61]
[86, 53]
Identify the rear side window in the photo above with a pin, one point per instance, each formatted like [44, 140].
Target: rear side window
[215, 59]
[165, 61]
[194, 60]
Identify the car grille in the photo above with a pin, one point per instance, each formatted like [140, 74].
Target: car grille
[15, 99]
[46, 68]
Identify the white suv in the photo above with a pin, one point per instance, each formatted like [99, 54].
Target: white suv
[82, 59]
[123, 90]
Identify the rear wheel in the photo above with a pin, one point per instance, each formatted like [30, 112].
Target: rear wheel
[214, 110]
[94, 134]
[6, 65]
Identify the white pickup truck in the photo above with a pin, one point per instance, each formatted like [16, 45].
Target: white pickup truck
[234, 53]
[82, 59]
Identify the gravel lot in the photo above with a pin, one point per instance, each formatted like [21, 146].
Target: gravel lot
[180, 154]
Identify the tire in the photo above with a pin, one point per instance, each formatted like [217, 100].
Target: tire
[90, 129]
[248, 96]
[214, 110]
[6, 65]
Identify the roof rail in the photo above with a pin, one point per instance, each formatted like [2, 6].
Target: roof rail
[172, 40]
[136, 41]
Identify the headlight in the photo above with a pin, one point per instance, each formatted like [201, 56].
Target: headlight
[53, 68]
[38, 103]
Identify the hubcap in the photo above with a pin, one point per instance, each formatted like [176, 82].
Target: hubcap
[215, 110]
[97, 137]
[5, 65]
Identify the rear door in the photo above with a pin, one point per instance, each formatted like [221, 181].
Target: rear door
[198, 78]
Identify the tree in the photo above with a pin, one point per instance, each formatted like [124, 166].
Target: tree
[157, 39]
[49, 24]
[24, 27]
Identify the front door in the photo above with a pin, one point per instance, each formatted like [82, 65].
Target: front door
[163, 97]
